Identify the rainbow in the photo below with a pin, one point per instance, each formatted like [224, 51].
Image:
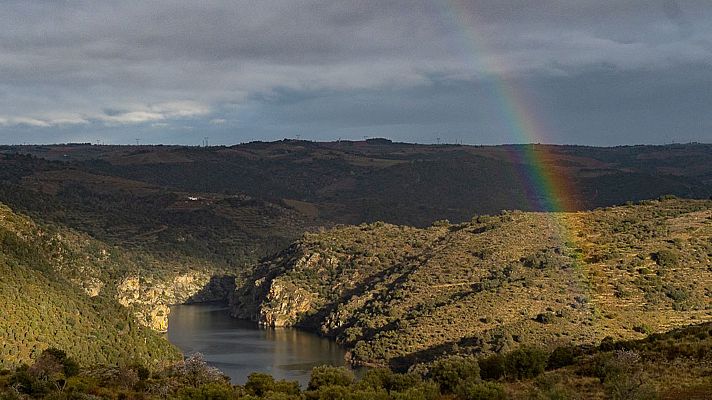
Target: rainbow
[545, 189]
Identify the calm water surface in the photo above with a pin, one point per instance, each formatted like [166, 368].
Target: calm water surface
[239, 348]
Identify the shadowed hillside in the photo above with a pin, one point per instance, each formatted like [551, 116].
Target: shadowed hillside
[252, 200]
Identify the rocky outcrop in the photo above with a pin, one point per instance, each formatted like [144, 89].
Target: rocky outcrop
[284, 305]
[150, 298]
[272, 302]
[270, 298]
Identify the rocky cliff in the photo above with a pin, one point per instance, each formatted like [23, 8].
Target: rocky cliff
[274, 300]
[150, 298]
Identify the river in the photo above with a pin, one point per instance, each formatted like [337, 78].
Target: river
[239, 348]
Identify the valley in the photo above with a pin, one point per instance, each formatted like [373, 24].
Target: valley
[404, 255]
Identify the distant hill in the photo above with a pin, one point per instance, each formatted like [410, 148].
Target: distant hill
[251, 200]
[399, 295]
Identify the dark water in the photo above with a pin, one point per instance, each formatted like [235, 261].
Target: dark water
[239, 348]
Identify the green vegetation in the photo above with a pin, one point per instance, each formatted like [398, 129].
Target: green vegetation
[672, 365]
[499, 306]
[398, 296]
[41, 307]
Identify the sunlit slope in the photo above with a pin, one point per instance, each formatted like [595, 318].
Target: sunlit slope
[400, 294]
[41, 308]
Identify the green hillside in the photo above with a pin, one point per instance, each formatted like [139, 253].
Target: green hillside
[42, 308]
[398, 295]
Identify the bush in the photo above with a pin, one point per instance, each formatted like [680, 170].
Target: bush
[492, 367]
[607, 344]
[209, 391]
[481, 391]
[422, 391]
[142, 372]
[666, 257]
[525, 362]
[330, 376]
[382, 378]
[52, 357]
[290, 388]
[259, 384]
[562, 356]
[195, 371]
[331, 392]
[595, 366]
[549, 258]
[624, 378]
[449, 373]
[545, 318]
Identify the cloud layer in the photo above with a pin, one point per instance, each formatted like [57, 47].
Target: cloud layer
[175, 71]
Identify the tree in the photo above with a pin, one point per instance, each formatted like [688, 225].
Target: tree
[449, 373]
[330, 376]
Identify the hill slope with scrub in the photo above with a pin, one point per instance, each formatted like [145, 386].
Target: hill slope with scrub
[52, 295]
[398, 295]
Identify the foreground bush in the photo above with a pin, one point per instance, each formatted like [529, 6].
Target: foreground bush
[482, 391]
[451, 372]
[525, 362]
[330, 376]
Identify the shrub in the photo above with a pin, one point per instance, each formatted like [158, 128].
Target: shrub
[624, 378]
[607, 344]
[666, 257]
[331, 392]
[287, 387]
[450, 372]
[562, 356]
[259, 384]
[53, 361]
[492, 367]
[376, 378]
[330, 376]
[549, 258]
[525, 362]
[382, 378]
[545, 318]
[482, 391]
[595, 366]
[142, 372]
[422, 391]
[209, 391]
[195, 371]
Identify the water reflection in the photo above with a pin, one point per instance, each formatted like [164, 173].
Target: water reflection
[239, 348]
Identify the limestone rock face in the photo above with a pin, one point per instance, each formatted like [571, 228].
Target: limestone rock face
[271, 299]
[284, 304]
[150, 298]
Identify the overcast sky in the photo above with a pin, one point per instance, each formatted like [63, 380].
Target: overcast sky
[600, 72]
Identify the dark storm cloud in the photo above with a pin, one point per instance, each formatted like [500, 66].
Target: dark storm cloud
[173, 71]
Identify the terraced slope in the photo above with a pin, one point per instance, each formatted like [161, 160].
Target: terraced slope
[399, 295]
